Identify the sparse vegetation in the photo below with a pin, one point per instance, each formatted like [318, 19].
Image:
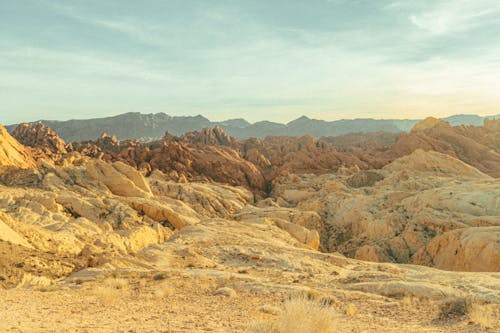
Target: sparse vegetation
[478, 313]
[111, 290]
[163, 289]
[299, 314]
[481, 314]
[453, 308]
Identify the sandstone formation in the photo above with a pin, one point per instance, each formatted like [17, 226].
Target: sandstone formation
[477, 146]
[12, 153]
[466, 249]
[404, 212]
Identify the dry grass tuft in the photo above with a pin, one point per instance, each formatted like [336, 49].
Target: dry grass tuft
[107, 295]
[351, 310]
[116, 283]
[482, 315]
[163, 290]
[111, 290]
[299, 315]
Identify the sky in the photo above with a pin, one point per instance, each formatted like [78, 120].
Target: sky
[257, 59]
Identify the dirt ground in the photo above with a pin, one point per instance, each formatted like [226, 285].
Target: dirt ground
[179, 303]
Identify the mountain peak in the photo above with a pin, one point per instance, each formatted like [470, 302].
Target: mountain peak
[300, 120]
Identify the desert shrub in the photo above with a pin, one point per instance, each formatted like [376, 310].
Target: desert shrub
[481, 314]
[299, 315]
[111, 290]
[478, 312]
[453, 308]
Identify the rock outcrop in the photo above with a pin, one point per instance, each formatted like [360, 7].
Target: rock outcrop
[466, 249]
[12, 153]
[40, 136]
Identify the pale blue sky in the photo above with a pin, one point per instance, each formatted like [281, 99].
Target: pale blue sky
[269, 59]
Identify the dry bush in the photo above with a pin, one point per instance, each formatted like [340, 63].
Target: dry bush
[478, 313]
[299, 315]
[111, 290]
[107, 295]
[116, 283]
[163, 290]
[481, 314]
[453, 307]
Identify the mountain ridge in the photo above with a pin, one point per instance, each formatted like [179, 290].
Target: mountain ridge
[136, 125]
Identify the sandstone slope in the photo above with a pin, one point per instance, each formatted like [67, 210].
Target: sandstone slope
[12, 153]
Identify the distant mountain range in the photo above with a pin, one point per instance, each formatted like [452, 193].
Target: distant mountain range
[135, 125]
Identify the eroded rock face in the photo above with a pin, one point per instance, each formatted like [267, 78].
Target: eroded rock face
[417, 205]
[200, 160]
[100, 211]
[466, 249]
[304, 226]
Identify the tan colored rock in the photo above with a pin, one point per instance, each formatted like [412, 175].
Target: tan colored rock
[304, 226]
[9, 235]
[303, 235]
[422, 196]
[468, 249]
[214, 200]
[177, 213]
[133, 175]
[371, 253]
[436, 163]
[119, 178]
[12, 153]
[139, 238]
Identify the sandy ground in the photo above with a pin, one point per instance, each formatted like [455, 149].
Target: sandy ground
[187, 304]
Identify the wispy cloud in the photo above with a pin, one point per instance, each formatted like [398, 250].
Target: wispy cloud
[456, 16]
[31, 59]
[140, 31]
